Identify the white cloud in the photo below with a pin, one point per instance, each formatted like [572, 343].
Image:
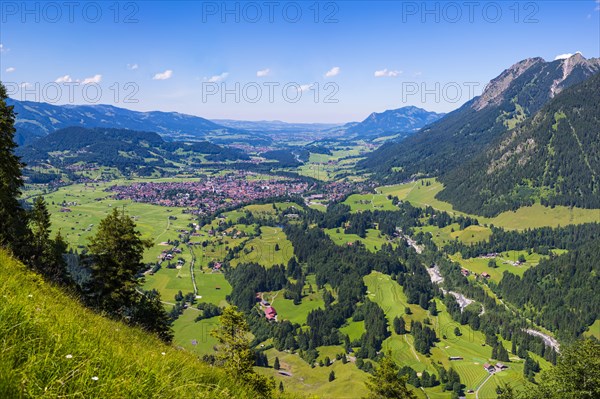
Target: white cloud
[164, 75]
[306, 87]
[332, 72]
[25, 85]
[64, 79]
[11, 69]
[132, 67]
[417, 74]
[2, 48]
[598, 6]
[386, 73]
[566, 55]
[263, 72]
[93, 79]
[217, 78]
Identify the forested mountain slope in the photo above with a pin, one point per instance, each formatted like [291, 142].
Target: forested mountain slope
[554, 156]
[120, 148]
[507, 101]
[561, 293]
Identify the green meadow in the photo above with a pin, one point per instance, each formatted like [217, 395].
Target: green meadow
[354, 329]
[195, 336]
[89, 204]
[325, 167]
[480, 265]
[373, 241]
[286, 310]
[349, 381]
[369, 202]
[271, 248]
[593, 330]
[537, 215]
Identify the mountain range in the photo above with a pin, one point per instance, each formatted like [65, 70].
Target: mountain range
[508, 100]
[36, 119]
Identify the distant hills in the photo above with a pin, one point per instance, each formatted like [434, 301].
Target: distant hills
[508, 100]
[125, 149]
[36, 119]
[554, 156]
[402, 121]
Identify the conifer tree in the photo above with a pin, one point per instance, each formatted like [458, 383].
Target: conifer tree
[117, 249]
[234, 353]
[14, 233]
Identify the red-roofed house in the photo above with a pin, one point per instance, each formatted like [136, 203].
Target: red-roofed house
[270, 313]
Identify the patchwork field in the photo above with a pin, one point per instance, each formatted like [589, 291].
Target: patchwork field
[525, 217]
[88, 204]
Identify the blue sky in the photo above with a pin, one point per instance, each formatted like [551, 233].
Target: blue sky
[338, 61]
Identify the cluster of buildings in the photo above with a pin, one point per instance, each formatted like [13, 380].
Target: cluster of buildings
[169, 254]
[491, 368]
[211, 194]
[270, 312]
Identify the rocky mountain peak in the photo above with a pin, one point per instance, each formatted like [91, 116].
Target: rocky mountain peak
[492, 94]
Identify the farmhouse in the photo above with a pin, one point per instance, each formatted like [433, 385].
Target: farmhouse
[501, 366]
[485, 275]
[455, 358]
[270, 313]
[465, 272]
[489, 368]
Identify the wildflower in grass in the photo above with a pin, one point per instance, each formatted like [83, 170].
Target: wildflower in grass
[69, 356]
[95, 378]
[163, 353]
[29, 296]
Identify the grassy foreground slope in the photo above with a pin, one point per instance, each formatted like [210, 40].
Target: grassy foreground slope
[50, 346]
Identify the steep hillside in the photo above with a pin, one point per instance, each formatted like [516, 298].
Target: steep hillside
[405, 120]
[35, 119]
[554, 156]
[507, 101]
[561, 293]
[52, 347]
